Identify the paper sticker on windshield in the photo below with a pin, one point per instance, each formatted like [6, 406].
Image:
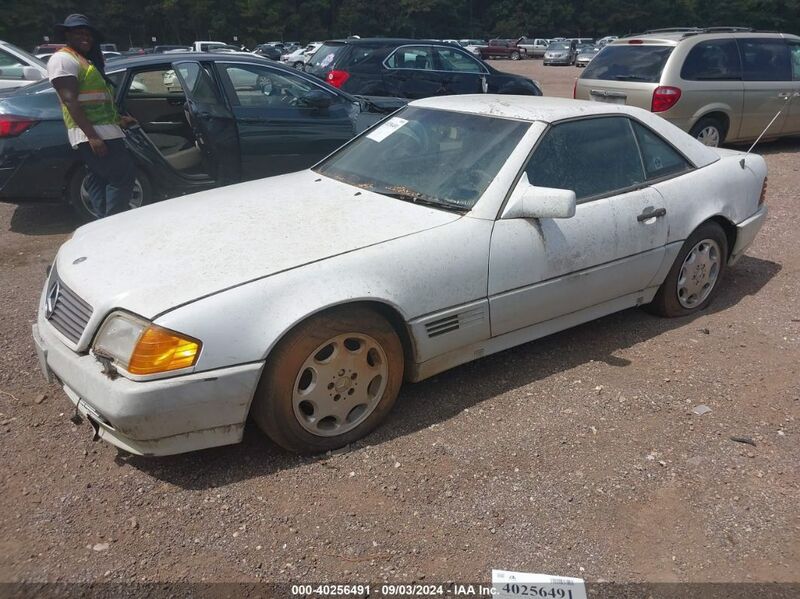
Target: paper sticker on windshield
[513, 585]
[386, 129]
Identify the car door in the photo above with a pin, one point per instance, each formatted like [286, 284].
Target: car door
[286, 121]
[715, 70]
[460, 72]
[767, 74]
[792, 124]
[212, 122]
[614, 245]
[409, 73]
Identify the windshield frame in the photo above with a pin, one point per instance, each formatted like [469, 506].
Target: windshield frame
[487, 204]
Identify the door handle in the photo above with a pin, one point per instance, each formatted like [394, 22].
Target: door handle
[784, 95]
[648, 214]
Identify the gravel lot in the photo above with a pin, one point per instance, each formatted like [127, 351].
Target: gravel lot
[576, 455]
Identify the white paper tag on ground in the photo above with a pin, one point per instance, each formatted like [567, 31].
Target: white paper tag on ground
[510, 585]
[386, 129]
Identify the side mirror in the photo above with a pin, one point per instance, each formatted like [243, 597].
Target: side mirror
[31, 74]
[317, 98]
[529, 201]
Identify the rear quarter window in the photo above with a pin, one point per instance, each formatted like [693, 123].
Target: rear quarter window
[642, 63]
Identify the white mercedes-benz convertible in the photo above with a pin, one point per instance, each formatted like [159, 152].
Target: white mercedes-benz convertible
[459, 227]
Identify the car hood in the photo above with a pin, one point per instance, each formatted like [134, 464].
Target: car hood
[161, 256]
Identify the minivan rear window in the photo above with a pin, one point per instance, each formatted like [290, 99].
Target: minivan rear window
[628, 63]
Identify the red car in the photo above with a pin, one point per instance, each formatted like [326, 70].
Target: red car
[503, 49]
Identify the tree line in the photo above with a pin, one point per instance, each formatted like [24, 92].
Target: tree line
[137, 22]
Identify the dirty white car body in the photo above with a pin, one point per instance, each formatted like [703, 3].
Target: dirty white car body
[240, 267]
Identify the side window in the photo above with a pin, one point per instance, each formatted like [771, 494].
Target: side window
[201, 86]
[453, 60]
[765, 59]
[10, 67]
[660, 159]
[794, 51]
[592, 157]
[258, 86]
[716, 60]
[411, 57]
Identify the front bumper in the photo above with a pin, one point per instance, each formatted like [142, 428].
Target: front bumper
[563, 61]
[746, 232]
[158, 417]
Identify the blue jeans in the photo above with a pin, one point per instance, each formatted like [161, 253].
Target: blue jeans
[110, 178]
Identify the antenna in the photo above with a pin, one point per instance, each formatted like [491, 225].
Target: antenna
[758, 139]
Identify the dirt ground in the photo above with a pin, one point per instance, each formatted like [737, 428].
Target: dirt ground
[576, 455]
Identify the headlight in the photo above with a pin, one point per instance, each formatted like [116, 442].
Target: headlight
[141, 347]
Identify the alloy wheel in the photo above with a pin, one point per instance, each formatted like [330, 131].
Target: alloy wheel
[699, 273]
[340, 384]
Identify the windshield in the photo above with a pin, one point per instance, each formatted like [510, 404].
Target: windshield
[445, 159]
[628, 63]
[559, 46]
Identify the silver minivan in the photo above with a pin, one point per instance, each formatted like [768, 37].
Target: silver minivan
[720, 85]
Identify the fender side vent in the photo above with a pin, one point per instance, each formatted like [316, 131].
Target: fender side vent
[454, 322]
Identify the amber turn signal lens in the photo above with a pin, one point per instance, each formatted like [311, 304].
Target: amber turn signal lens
[162, 350]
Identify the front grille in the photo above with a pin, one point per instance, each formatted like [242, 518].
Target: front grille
[67, 312]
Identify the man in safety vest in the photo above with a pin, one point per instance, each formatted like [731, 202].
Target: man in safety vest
[90, 114]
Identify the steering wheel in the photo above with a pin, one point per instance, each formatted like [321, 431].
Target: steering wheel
[288, 97]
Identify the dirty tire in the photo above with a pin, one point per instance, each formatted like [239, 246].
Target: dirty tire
[667, 301]
[286, 418]
[142, 192]
[709, 131]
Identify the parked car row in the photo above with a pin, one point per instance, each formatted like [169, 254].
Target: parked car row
[410, 68]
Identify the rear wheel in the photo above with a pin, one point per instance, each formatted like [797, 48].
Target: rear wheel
[709, 131]
[78, 195]
[694, 278]
[330, 381]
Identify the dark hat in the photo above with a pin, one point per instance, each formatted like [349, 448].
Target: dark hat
[74, 22]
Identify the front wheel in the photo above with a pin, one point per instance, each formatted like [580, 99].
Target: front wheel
[330, 381]
[694, 278]
[515, 55]
[78, 194]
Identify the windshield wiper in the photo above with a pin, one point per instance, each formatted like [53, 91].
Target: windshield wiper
[418, 198]
[631, 78]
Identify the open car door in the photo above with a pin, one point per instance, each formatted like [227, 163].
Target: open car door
[213, 124]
